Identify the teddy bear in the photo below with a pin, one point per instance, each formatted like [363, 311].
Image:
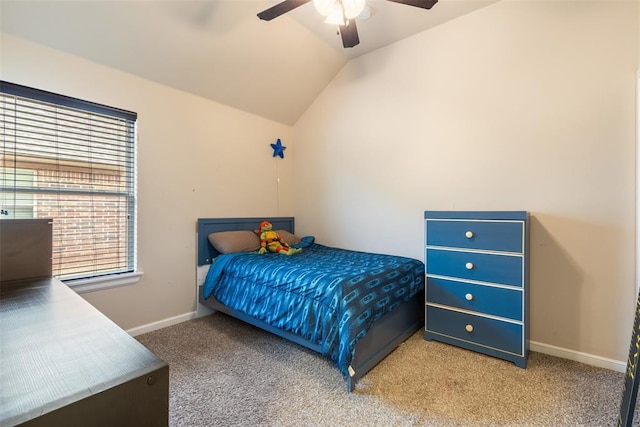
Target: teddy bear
[272, 242]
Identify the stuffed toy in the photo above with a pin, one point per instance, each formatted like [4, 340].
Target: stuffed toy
[272, 242]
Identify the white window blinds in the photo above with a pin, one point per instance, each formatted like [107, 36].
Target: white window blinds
[72, 161]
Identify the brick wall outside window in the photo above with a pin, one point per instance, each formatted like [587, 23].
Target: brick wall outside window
[89, 228]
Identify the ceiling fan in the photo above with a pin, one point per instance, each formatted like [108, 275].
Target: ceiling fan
[338, 12]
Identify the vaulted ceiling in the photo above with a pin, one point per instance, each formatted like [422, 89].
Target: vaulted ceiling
[219, 49]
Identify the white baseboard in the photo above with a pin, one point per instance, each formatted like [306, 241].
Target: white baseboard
[577, 356]
[149, 327]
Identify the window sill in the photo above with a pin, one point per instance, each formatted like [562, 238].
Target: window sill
[101, 283]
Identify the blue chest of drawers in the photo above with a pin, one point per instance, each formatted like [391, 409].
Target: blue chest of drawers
[477, 281]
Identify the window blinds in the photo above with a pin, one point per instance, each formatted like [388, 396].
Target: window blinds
[72, 161]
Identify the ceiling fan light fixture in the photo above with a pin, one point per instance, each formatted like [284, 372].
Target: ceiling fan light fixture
[336, 15]
[352, 8]
[324, 6]
[337, 11]
[365, 14]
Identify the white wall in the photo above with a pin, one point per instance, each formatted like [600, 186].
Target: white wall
[518, 106]
[197, 158]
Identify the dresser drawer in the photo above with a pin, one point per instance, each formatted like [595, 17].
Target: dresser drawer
[485, 235]
[493, 268]
[500, 302]
[504, 336]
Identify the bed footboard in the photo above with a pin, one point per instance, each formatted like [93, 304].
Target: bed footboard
[384, 336]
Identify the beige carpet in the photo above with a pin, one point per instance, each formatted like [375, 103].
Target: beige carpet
[224, 372]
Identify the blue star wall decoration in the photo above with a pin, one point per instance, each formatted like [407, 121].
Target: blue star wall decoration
[278, 149]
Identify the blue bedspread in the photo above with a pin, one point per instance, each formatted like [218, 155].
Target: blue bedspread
[326, 295]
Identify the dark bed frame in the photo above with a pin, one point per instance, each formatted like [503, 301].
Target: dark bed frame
[385, 335]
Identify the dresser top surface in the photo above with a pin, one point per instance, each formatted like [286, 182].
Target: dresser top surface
[478, 215]
[57, 349]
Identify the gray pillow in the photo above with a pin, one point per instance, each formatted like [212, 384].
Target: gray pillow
[227, 242]
[291, 239]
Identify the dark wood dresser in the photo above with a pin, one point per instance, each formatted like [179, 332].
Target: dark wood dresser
[64, 363]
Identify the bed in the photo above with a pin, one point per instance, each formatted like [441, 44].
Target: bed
[351, 306]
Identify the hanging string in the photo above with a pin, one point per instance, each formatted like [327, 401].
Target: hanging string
[277, 185]
[278, 151]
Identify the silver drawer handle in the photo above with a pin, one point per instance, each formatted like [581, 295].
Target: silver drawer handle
[468, 328]
[469, 266]
[469, 234]
[468, 297]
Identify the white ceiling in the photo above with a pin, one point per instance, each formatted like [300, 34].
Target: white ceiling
[219, 49]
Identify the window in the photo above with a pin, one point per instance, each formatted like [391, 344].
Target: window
[72, 161]
[22, 202]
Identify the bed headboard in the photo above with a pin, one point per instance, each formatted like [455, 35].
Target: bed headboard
[206, 226]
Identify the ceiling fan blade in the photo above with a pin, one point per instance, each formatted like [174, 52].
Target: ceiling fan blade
[349, 34]
[280, 9]
[424, 4]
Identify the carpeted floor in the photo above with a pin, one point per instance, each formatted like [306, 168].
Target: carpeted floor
[224, 372]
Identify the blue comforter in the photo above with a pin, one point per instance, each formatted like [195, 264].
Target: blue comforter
[326, 295]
